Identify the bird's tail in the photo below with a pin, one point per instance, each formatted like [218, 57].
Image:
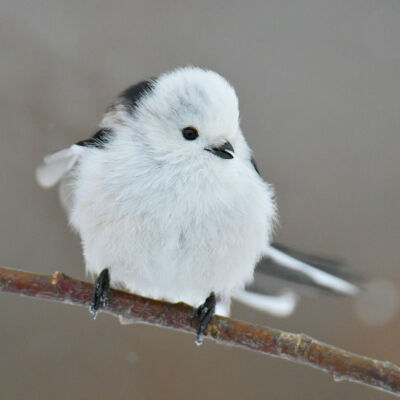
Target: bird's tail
[293, 266]
[305, 269]
[281, 305]
[57, 165]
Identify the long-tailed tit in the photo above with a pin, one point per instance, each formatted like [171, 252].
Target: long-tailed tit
[168, 202]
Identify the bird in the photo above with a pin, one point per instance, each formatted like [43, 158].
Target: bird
[169, 203]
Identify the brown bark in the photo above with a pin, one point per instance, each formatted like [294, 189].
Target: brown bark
[341, 364]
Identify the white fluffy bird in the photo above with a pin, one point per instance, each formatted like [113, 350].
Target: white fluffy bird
[168, 202]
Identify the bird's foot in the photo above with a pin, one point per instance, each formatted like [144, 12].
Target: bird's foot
[204, 314]
[101, 292]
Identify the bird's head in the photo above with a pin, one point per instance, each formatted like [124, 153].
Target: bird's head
[189, 113]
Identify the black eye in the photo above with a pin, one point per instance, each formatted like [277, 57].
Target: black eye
[190, 133]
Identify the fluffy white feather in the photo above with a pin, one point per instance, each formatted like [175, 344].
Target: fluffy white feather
[56, 166]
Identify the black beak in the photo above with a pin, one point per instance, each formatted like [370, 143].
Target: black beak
[223, 151]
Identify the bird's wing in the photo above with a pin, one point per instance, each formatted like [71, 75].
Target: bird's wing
[294, 266]
[55, 166]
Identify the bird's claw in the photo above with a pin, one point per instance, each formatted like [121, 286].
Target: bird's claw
[203, 314]
[101, 293]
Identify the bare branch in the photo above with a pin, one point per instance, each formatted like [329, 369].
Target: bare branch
[299, 348]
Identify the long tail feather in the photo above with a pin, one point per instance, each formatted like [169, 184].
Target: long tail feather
[281, 305]
[289, 267]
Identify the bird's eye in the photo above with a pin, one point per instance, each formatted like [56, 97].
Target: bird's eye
[190, 133]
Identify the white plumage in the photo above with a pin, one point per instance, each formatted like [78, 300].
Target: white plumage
[57, 165]
[169, 219]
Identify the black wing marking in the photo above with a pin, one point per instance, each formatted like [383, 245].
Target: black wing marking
[98, 140]
[131, 96]
[253, 161]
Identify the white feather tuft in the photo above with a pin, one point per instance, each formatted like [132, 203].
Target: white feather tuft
[56, 165]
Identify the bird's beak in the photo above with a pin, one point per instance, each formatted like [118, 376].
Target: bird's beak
[223, 151]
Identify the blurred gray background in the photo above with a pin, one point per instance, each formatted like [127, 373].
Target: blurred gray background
[319, 88]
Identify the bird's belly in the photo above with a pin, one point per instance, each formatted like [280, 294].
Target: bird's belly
[183, 250]
[178, 263]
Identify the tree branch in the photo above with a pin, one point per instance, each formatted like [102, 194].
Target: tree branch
[299, 348]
